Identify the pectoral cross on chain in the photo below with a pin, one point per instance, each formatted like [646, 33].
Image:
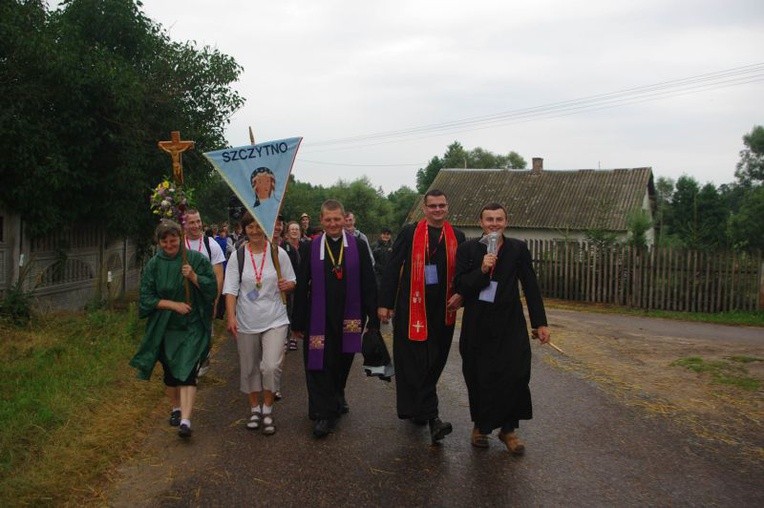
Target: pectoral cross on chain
[175, 147]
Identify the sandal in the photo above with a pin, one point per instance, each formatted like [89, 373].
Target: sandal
[268, 425]
[479, 440]
[254, 420]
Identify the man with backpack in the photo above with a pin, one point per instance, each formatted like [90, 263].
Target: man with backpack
[196, 240]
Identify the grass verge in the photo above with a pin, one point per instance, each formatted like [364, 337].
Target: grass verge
[728, 371]
[70, 404]
[733, 318]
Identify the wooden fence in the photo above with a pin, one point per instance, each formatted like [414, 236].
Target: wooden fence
[655, 278]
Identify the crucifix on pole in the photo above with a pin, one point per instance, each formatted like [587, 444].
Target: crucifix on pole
[175, 147]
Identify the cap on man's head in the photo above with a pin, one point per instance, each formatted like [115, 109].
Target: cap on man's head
[386, 231]
[304, 215]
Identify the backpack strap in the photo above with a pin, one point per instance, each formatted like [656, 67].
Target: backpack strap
[240, 259]
[207, 246]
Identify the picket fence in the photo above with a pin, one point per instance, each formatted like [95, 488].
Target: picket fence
[655, 278]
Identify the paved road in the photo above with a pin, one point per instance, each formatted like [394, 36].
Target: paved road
[583, 449]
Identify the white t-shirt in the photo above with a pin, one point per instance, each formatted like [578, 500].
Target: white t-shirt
[198, 245]
[261, 309]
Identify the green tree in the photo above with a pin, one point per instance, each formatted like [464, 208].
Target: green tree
[457, 157]
[638, 223]
[746, 226]
[515, 161]
[401, 201]
[302, 197]
[664, 188]
[212, 200]
[712, 218]
[426, 175]
[86, 93]
[372, 210]
[699, 215]
[684, 211]
[750, 169]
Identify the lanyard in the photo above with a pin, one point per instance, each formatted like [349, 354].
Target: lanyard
[188, 244]
[429, 253]
[258, 275]
[336, 265]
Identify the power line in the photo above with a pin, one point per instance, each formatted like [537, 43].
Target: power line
[693, 84]
[400, 164]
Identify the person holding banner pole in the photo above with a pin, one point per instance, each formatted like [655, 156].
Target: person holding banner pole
[177, 330]
[336, 296]
[257, 318]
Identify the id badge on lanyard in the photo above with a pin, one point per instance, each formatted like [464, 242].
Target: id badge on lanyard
[430, 274]
[488, 294]
[431, 269]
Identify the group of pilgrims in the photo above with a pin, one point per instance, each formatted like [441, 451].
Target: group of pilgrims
[321, 288]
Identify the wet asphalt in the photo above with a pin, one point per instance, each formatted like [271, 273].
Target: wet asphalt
[584, 448]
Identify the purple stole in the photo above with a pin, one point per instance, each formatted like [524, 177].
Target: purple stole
[351, 324]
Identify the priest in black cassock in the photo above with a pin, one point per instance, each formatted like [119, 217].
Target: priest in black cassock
[494, 344]
[418, 285]
[336, 296]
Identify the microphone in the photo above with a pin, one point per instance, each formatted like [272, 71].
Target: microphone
[492, 241]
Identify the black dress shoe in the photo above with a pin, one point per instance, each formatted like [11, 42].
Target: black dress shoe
[184, 431]
[322, 428]
[175, 418]
[439, 429]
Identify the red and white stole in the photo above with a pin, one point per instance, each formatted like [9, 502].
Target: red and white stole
[417, 310]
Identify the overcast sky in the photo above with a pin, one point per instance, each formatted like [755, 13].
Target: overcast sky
[331, 70]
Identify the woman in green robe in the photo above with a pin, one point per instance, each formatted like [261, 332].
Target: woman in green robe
[177, 332]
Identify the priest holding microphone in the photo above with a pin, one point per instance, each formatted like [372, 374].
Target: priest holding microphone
[494, 342]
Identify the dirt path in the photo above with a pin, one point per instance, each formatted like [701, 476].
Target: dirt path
[614, 425]
[632, 357]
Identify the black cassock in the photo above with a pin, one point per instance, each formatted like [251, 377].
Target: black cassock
[326, 388]
[494, 343]
[418, 364]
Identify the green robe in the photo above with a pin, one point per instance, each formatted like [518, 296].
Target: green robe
[183, 340]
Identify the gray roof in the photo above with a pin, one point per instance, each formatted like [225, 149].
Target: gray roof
[550, 199]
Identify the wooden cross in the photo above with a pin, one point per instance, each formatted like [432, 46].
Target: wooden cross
[175, 147]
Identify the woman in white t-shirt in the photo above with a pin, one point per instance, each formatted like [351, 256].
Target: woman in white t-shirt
[257, 319]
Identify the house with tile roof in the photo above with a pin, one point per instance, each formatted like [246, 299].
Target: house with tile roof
[548, 204]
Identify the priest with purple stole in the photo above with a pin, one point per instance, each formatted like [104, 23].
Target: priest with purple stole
[336, 296]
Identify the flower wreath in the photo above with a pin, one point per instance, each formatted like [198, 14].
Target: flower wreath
[169, 201]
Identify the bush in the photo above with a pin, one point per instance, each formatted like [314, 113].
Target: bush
[16, 306]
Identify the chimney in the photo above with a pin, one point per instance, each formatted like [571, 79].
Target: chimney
[538, 165]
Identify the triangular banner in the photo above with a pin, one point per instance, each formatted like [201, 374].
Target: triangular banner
[258, 175]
